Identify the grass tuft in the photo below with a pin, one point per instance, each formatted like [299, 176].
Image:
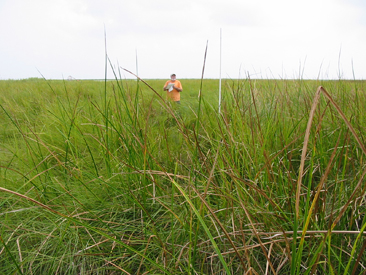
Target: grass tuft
[107, 177]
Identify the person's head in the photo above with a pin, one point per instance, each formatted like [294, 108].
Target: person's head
[173, 77]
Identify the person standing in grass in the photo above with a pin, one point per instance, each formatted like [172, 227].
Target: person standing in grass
[173, 88]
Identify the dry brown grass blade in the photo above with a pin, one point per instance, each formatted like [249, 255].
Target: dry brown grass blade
[309, 232]
[344, 119]
[246, 253]
[282, 263]
[221, 226]
[253, 246]
[259, 239]
[252, 185]
[307, 135]
[1, 251]
[304, 149]
[360, 181]
[94, 245]
[142, 259]
[270, 160]
[39, 249]
[359, 143]
[180, 255]
[118, 267]
[203, 70]
[251, 271]
[354, 270]
[315, 102]
[20, 255]
[269, 256]
[317, 194]
[31, 200]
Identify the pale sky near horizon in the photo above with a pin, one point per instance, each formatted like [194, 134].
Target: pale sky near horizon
[309, 39]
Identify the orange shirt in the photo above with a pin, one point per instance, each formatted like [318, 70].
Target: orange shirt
[174, 94]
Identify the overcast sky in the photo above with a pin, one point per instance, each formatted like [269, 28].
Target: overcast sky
[263, 38]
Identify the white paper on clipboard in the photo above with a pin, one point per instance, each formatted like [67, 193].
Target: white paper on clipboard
[170, 87]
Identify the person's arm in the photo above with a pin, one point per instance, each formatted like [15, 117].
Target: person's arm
[179, 88]
[165, 86]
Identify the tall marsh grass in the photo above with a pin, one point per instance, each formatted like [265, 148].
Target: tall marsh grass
[109, 178]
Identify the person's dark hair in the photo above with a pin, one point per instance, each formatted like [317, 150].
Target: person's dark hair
[172, 75]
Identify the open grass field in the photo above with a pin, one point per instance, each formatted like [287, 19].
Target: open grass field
[106, 177]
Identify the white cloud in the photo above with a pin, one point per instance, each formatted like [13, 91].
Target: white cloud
[272, 38]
